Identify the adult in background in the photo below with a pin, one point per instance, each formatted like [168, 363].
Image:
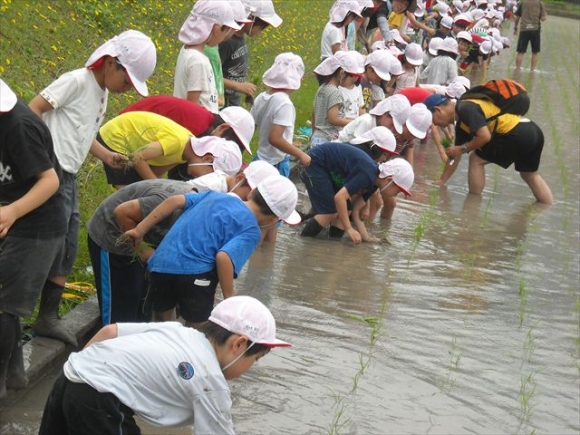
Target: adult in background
[530, 13]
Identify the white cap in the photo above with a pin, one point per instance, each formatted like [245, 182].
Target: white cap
[351, 61]
[328, 66]
[463, 80]
[198, 25]
[458, 5]
[378, 45]
[341, 8]
[447, 22]
[395, 51]
[414, 54]
[240, 13]
[257, 171]
[397, 106]
[281, 196]
[285, 73]
[497, 46]
[227, 156]
[464, 35]
[397, 37]
[381, 137]
[264, 10]
[442, 8]
[8, 98]
[463, 17]
[455, 90]
[434, 45]
[485, 46]
[395, 67]
[247, 316]
[401, 171]
[477, 14]
[380, 61]
[135, 51]
[419, 121]
[241, 122]
[449, 44]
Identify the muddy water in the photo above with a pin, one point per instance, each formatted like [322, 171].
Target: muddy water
[468, 322]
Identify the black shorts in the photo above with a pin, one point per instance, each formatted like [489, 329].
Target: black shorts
[119, 177]
[530, 36]
[522, 146]
[194, 294]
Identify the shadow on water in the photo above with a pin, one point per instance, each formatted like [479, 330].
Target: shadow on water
[468, 322]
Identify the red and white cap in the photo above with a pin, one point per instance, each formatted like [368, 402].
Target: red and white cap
[8, 98]
[419, 121]
[464, 35]
[198, 25]
[381, 137]
[240, 12]
[257, 171]
[281, 196]
[135, 51]
[241, 122]
[341, 8]
[328, 66]
[351, 62]
[264, 10]
[397, 106]
[402, 173]
[380, 60]
[227, 156]
[247, 316]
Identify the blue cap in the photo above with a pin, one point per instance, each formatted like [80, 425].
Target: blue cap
[434, 100]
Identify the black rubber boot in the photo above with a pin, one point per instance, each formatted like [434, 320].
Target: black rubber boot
[48, 323]
[311, 228]
[16, 378]
[335, 232]
[8, 327]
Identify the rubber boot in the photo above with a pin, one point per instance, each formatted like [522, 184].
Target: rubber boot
[311, 228]
[8, 326]
[335, 232]
[16, 378]
[48, 323]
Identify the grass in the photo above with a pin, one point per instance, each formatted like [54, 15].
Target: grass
[41, 40]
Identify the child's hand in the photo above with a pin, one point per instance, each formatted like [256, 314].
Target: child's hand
[116, 160]
[132, 238]
[354, 235]
[371, 239]
[7, 218]
[247, 88]
[305, 160]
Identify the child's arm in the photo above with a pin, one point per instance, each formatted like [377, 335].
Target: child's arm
[140, 157]
[128, 214]
[358, 204]
[245, 88]
[415, 23]
[340, 200]
[163, 210]
[46, 185]
[193, 96]
[334, 116]
[105, 333]
[276, 139]
[391, 86]
[225, 272]
[109, 158]
[39, 105]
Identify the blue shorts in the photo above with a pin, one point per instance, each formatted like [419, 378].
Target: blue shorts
[321, 189]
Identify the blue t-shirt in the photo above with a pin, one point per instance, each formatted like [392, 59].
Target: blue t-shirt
[211, 222]
[348, 167]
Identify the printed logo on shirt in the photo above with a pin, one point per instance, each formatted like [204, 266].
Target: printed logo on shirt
[5, 173]
[185, 370]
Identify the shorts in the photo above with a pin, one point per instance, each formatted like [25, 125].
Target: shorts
[70, 203]
[79, 409]
[194, 294]
[529, 36]
[321, 189]
[522, 146]
[119, 177]
[25, 265]
[121, 285]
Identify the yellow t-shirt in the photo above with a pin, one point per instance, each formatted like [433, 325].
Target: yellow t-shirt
[396, 20]
[131, 131]
[505, 122]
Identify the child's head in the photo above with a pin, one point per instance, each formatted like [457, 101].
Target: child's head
[395, 176]
[434, 45]
[211, 153]
[464, 40]
[329, 70]
[445, 25]
[286, 73]
[8, 98]
[352, 63]
[400, 6]
[261, 14]
[418, 123]
[413, 55]
[243, 330]
[442, 108]
[209, 23]
[377, 66]
[485, 47]
[276, 197]
[380, 141]
[127, 61]
[460, 22]
[449, 48]
[392, 112]
[248, 179]
[236, 124]
[343, 12]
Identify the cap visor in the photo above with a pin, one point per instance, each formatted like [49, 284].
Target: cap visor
[277, 343]
[272, 20]
[398, 125]
[402, 189]
[140, 87]
[416, 132]
[293, 219]
[233, 24]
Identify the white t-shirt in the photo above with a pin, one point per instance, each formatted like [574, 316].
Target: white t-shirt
[331, 35]
[193, 73]
[352, 101]
[79, 108]
[269, 109]
[167, 373]
[355, 128]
